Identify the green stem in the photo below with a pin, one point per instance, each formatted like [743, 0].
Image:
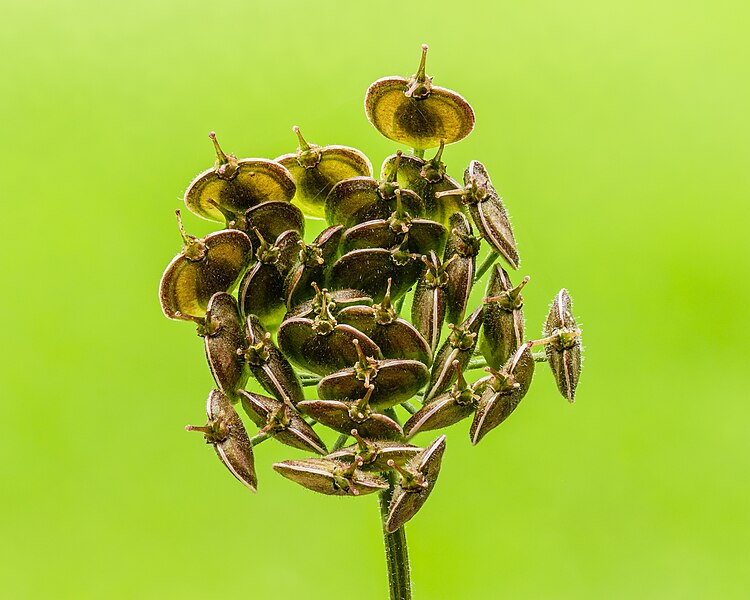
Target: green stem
[488, 262]
[396, 551]
[398, 304]
[411, 409]
[418, 153]
[340, 441]
[479, 362]
[309, 380]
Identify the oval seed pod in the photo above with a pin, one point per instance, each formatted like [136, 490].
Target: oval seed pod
[272, 219]
[418, 479]
[502, 333]
[236, 185]
[227, 434]
[505, 390]
[416, 113]
[563, 349]
[317, 169]
[312, 265]
[281, 421]
[459, 262]
[459, 347]
[375, 454]
[331, 477]
[337, 300]
[225, 341]
[429, 305]
[268, 365]
[204, 267]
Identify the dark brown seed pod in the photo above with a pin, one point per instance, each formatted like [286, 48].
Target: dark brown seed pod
[317, 169]
[236, 185]
[564, 346]
[396, 337]
[395, 380]
[459, 262]
[227, 434]
[312, 265]
[429, 305]
[505, 389]
[426, 178]
[375, 454]
[416, 113]
[272, 219]
[204, 267]
[337, 301]
[322, 345]
[459, 347]
[224, 341]
[502, 333]
[446, 409]
[268, 365]
[281, 421]
[487, 211]
[354, 414]
[418, 479]
[261, 292]
[331, 477]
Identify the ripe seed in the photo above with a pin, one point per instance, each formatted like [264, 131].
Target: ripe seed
[564, 348]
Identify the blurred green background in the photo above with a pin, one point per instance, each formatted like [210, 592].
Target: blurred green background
[618, 134]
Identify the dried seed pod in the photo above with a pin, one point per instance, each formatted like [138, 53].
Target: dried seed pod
[337, 301]
[395, 380]
[312, 265]
[505, 389]
[487, 211]
[224, 341]
[459, 262]
[416, 113]
[427, 178]
[281, 421]
[236, 185]
[227, 434]
[332, 477]
[502, 333]
[429, 305]
[375, 454]
[268, 365]
[459, 346]
[564, 346]
[418, 479]
[396, 337]
[322, 345]
[446, 409]
[354, 414]
[317, 169]
[261, 292]
[204, 267]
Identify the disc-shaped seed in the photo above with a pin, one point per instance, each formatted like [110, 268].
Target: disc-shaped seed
[316, 169]
[425, 236]
[361, 199]
[375, 454]
[281, 421]
[204, 267]
[332, 477]
[340, 298]
[268, 365]
[344, 416]
[272, 218]
[418, 478]
[236, 185]
[564, 350]
[224, 342]
[501, 396]
[429, 305]
[313, 263]
[227, 434]
[502, 332]
[460, 265]
[416, 113]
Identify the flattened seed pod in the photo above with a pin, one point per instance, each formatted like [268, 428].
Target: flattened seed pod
[505, 390]
[204, 267]
[331, 477]
[337, 300]
[269, 366]
[418, 479]
[281, 421]
[225, 341]
[459, 347]
[429, 305]
[317, 169]
[236, 185]
[502, 333]
[564, 346]
[416, 113]
[375, 454]
[312, 265]
[459, 262]
[322, 345]
[227, 434]
[426, 178]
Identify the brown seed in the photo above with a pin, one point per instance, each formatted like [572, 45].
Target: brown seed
[429, 304]
[332, 477]
[502, 332]
[224, 342]
[564, 348]
[459, 262]
[375, 454]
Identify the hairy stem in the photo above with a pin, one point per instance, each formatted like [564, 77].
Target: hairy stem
[396, 552]
[486, 264]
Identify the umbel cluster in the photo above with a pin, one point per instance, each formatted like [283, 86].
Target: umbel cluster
[291, 314]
